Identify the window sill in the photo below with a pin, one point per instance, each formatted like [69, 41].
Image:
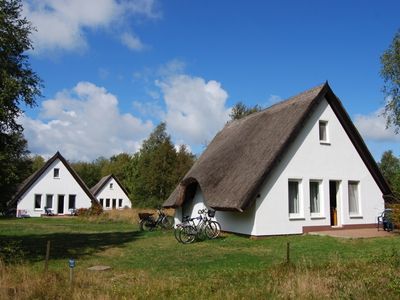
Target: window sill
[296, 218]
[317, 217]
[325, 143]
[38, 209]
[356, 216]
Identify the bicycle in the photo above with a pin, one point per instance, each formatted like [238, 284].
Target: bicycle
[149, 223]
[188, 231]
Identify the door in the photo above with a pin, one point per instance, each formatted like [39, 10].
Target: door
[60, 206]
[333, 200]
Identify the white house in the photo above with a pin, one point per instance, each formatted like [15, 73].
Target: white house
[110, 193]
[297, 166]
[55, 186]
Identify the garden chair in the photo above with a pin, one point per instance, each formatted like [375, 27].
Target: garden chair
[386, 220]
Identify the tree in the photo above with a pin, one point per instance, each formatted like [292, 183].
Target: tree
[240, 110]
[156, 169]
[19, 84]
[390, 168]
[390, 72]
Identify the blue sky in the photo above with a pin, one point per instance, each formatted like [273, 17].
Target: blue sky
[113, 70]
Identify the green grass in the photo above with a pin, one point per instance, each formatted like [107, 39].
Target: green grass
[151, 265]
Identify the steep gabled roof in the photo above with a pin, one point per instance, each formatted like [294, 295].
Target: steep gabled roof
[36, 175]
[103, 181]
[232, 169]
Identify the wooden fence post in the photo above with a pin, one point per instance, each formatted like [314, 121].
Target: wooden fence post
[288, 252]
[46, 263]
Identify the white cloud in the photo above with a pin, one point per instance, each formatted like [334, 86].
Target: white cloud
[273, 99]
[373, 127]
[195, 109]
[84, 123]
[62, 24]
[132, 41]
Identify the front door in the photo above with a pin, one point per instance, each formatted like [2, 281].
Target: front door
[60, 206]
[333, 195]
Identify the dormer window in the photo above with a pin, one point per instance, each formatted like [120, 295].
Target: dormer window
[111, 186]
[323, 132]
[56, 172]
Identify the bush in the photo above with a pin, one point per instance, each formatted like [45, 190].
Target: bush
[94, 210]
[11, 251]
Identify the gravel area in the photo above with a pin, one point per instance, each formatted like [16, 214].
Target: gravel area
[356, 233]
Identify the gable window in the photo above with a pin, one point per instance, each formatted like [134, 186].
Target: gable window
[111, 186]
[315, 197]
[107, 202]
[101, 201]
[120, 202]
[71, 201]
[56, 173]
[323, 131]
[49, 201]
[294, 198]
[354, 201]
[38, 201]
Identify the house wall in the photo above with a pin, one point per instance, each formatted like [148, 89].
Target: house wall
[46, 184]
[116, 192]
[230, 221]
[307, 159]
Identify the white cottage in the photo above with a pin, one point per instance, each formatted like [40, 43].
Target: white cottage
[297, 166]
[55, 186]
[111, 194]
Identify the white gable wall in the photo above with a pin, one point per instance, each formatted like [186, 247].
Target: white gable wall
[114, 192]
[46, 184]
[307, 159]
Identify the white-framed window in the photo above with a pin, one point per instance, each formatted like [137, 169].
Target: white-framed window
[111, 186]
[295, 200]
[119, 202]
[354, 198]
[107, 202]
[323, 132]
[38, 201]
[101, 202]
[49, 201]
[315, 197]
[71, 201]
[56, 173]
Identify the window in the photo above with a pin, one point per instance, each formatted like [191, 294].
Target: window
[71, 201]
[56, 173]
[315, 197]
[114, 203]
[108, 202]
[294, 197]
[323, 131]
[101, 201]
[111, 186]
[120, 202]
[38, 201]
[49, 201]
[354, 203]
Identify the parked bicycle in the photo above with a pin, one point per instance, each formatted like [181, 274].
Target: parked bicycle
[149, 223]
[198, 228]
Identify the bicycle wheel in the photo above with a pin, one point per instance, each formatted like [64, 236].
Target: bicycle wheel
[214, 229]
[167, 222]
[146, 225]
[187, 234]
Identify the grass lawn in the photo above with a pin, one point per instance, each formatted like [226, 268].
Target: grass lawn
[154, 265]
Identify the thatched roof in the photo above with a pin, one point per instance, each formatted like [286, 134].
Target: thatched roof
[36, 175]
[103, 181]
[232, 169]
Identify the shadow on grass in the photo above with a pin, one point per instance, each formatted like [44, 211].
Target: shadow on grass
[66, 245]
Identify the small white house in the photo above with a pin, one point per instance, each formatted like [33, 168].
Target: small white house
[297, 166]
[56, 186]
[111, 194]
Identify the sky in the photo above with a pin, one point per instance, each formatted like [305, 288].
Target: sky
[113, 70]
